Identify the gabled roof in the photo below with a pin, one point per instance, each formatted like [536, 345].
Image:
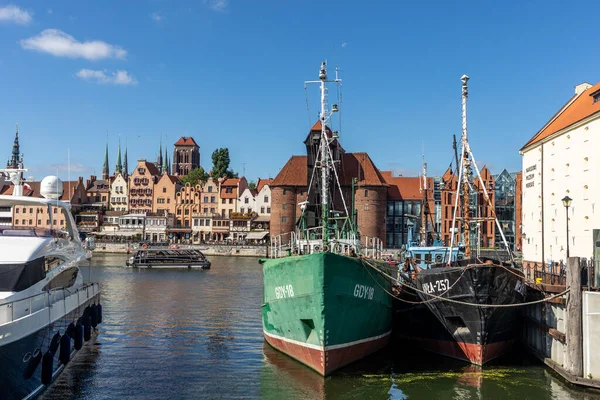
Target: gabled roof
[186, 141]
[230, 182]
[94, 187]
[262, 183]
[293, 173]
[406, 188]
[151, 167]
[353, 165]
[576, 109]
[172, 178]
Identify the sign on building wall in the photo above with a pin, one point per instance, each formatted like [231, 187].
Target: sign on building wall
[530, 176]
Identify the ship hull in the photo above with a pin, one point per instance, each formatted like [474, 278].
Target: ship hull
[471, 332]
[13, 384]
[325, 310]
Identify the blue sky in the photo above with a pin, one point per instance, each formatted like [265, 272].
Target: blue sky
[230, 73]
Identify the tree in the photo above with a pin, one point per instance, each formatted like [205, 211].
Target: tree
[252, 185]
[196, 175]
[221, 160]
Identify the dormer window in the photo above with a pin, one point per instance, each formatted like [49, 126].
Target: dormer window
[596, 97]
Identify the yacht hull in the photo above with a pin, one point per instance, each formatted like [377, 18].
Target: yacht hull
[13, 384]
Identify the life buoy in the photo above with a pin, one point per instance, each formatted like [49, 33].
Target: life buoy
[460, 257]
[144, 246]
[65, 349]
[326, 248]
[438, 258]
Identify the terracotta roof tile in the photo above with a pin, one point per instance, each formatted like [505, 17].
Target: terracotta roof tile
[230, 182]
[405, 188]
[576, 109]
[353, 165]
[261, 183]
[186, 141]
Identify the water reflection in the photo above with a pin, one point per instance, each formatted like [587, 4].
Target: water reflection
[198, 334]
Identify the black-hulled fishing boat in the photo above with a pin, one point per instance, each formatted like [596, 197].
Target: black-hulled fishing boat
[462, 308]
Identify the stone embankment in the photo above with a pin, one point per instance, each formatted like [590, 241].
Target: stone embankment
[209, 250]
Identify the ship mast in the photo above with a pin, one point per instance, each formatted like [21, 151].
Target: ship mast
[425, 206]
[324, 143]
[466, 167]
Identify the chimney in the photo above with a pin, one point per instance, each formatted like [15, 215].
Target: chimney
[582, 87]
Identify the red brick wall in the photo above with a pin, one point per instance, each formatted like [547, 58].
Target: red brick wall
[371, 211]
[278, 200]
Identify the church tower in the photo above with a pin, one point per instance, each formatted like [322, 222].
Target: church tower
[186, 156]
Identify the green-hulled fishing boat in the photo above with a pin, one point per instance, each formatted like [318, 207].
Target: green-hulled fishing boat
[324, 302]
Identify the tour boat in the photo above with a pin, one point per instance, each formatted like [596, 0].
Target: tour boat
[47, 309]
[163, 257]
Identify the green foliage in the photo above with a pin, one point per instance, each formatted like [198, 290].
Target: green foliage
[221, 160]
[195, 176]
[252, 185]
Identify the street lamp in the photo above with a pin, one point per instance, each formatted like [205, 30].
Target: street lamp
[567, 203]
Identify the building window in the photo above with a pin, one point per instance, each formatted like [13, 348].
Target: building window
[16, 222]
[366, 193]
[164, 190]
[242, 210]
[168, 200]
[284, 219]
[206, 199]
[228, 190]
[16, 210]
[201, 222]
[284, 191]
[30, 222]
[187, 211]
[179, 211]
[31, 211]
[212, 199]
[62, 221]
[205, 210]
[284, 206]
[212, 210]
[266, 199]
[210, 189]
[262, 210]
[596, 97]
[246, 200]
[223, 201]
[268, 210]
[39, 221]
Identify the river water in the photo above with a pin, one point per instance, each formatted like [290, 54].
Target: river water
[197, 334]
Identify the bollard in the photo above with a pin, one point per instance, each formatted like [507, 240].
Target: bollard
[574, 327]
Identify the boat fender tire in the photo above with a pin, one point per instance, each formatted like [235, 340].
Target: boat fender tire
[99, 313]
[47, 367]
[78, 339]
[65, 349]
[94, 315]
[460, 257]
[326, 248]
[71, 330]
[317, 248]
[438, 258]
[32, 364]
[54, 343]
[87, 328]
[86, 311]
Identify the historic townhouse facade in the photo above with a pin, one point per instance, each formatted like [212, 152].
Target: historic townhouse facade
[166, 191]
[141, 187]
[119, 194]
[561, 161]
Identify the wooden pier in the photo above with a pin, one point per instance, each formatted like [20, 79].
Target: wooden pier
[561, 332]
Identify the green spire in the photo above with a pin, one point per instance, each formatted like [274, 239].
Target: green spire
[119, 166]
[159, 160]
[125, 167]
[105, 172]
[165, 166]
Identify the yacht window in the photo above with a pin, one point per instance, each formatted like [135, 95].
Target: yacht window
[17, 277]
[51, 262]
[63, 280]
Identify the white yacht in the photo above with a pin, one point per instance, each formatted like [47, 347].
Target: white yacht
[47, 311]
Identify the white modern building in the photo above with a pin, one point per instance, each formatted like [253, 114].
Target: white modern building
[561, 160]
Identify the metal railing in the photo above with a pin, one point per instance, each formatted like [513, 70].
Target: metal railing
[29, 305]
[555, 273]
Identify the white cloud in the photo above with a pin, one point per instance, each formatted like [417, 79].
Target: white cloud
[217, 5]
[344, 44]
[156, 17]
[60, 44]
[115, 78]
[14, 14]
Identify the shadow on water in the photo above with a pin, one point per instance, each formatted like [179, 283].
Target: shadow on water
[198, 334]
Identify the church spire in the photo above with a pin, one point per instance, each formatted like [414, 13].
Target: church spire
[14, 161]
[125, 166]
[159, 160]
[165, 166]
[119, 166]
[105, 172]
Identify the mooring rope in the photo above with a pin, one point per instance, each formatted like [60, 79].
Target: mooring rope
[545, 299]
